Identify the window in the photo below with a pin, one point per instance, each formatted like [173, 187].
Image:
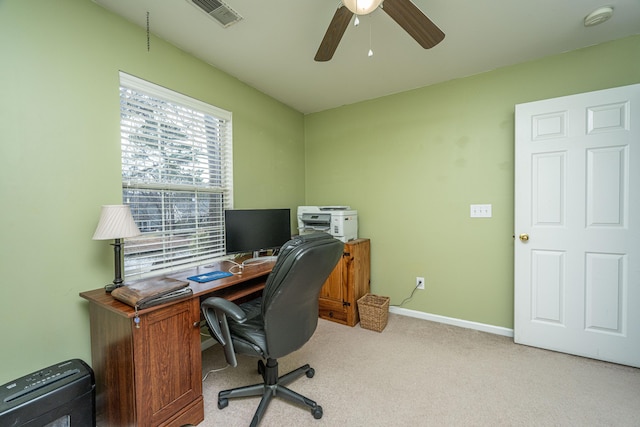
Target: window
[176, 177]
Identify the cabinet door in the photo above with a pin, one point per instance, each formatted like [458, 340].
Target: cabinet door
[333, 294]
[356, 276]
[332, 288]
[167, 362]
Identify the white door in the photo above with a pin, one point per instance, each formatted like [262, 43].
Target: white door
[577, 201]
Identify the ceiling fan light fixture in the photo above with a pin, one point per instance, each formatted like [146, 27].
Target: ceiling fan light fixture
[361, 7]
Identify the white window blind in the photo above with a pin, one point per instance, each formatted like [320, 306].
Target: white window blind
[176, 176]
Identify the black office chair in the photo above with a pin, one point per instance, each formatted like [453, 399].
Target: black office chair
[279, 322]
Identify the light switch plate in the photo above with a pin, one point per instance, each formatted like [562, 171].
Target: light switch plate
[480, 211]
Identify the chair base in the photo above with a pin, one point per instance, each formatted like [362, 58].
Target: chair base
[272, 386]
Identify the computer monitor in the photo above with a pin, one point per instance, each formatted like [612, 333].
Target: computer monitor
[254, 230]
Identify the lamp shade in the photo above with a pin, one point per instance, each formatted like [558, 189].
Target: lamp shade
[116, 222]
[362, 7]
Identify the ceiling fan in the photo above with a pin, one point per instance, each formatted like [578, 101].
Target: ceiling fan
[404, 12]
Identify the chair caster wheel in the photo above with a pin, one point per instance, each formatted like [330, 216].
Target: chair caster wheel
[223, 403]
[310, 373]
[317, 412]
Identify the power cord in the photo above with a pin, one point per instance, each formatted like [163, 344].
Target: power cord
[236, 265]
[206, 334]
[408, 298]
[213, 371]
[253, 262]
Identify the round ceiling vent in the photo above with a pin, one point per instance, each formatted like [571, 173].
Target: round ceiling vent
[598, 16]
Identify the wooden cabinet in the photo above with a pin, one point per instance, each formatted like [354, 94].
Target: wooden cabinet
[347, 283]
[147, 374]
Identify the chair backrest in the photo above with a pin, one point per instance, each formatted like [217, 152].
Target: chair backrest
[290, 296]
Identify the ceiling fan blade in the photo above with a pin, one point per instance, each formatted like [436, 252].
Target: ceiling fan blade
[414, 22]
[334, 34]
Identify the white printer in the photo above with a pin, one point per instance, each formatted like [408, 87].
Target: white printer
[339, 221]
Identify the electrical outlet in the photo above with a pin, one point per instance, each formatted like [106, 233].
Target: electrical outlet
[420, 282]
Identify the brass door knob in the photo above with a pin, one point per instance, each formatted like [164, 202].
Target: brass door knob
[524, 237]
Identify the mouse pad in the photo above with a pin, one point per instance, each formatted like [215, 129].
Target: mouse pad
[208, 277]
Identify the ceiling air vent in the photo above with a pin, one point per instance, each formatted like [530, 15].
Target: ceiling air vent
[218, 11]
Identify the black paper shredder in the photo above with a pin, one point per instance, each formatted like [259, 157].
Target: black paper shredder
[61, 395]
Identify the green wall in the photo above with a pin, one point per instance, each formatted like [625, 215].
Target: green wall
[412, 163]
[60, 157]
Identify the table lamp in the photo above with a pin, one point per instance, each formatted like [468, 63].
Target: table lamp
[116, 222]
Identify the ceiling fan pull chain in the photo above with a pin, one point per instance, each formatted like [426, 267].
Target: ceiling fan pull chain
[148, 38]
[370, 54]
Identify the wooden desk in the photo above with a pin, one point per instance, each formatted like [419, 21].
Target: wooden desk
[150, 375]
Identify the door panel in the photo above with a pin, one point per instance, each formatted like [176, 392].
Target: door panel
[577, 275]
[547, 282]
[604, 289]
[168, 366]
[549, 188]
[606, 192]
[333, 287]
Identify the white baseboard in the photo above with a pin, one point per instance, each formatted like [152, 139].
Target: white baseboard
[498, 330]
[207, 343]
[206, 340]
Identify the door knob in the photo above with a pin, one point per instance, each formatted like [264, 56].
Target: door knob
[524, 237]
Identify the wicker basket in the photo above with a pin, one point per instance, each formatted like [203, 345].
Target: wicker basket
[374, 312]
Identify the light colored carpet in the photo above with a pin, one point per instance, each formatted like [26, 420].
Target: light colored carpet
[421, 373]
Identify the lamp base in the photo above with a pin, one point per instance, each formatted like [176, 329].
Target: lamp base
[109, 287]
[117, 282]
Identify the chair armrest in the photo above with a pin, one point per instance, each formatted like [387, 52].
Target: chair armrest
[227, 307]
[216, 311]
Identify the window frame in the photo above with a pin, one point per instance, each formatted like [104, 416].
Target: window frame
[207, 133]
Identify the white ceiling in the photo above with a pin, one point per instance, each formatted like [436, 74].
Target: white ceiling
[273, 46]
